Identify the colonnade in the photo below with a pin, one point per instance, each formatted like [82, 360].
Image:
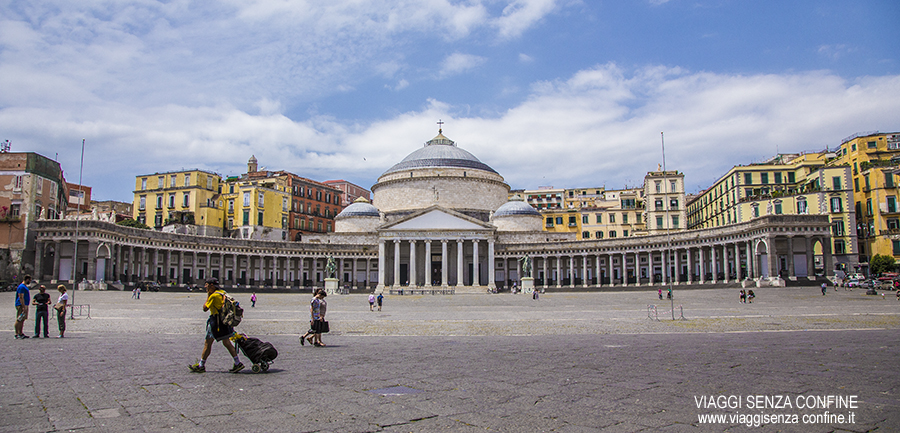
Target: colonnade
[440, 262]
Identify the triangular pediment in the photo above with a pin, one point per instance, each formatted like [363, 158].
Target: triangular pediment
[438, 218]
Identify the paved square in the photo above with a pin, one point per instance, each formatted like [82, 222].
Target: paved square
[569, 362]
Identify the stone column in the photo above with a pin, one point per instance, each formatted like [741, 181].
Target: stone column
[702, 265]
[772, 256]
[353, 271]
[584, 271]
[444, 265]
[427, 263]
[413, 281]
[737, 262]
[790, 257]
[715, 263]
[262, 270]
[381, 251]
[726, 269]
[609, 270]
[677, 275]
[235, 272]
[397, 281]
[559, 271]
[56, 254]
[92, 261]
[492, 284]
[459, 263]
[827, 258]
[691, 261]
[810, 257]
[476, 272]
[38, 261]
[571, 271]
[750, 259]
[624, 270]
[597, 264]
[546, 273]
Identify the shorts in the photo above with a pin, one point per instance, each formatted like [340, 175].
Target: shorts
[21, 313]
[217, 331]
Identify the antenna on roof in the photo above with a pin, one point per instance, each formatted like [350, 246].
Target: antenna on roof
[4, 147]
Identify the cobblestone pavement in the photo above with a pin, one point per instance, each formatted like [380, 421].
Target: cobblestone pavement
[569, 362]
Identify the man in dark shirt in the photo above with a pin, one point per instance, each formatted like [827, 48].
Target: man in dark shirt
[42, 300]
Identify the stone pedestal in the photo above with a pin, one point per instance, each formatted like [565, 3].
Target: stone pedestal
[331, 285]
[527, 284]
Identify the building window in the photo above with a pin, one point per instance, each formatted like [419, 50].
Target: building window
[791, 178]
[599, 218]
[888, 180]
[748, 178]
[230, 223]
[675, 221]
[672, 186]
[893, 223]
[764, 178]
[585, 235]
[836, 182]
[856, 184]
[869, 207]
[778, 208]
[801, 207]
[284, 222]
[637, 218]
[870, 144]
[891, 204]
[673, 204]
[159, 201]
[187, 200]
[261, 201]
[572, 222]
[157, 220]
[246, 199]
[866, 180]
[658, 188]
[144, 183]
[259, 218]
[612, 233]
[187, 179]
[624, 233]
[755, 210]
[246, 218]
[230, 205]
[559, 221]
[585, 219]
[896, 247]
[837, 227]
[172, 181]
[659, 222]
[209, 182]
[839, 247]
[161, 182]
[624, 218]
[777, 177]
[171, 200]
[612, 218]
[599, 235]
[284, 204]
[143, 203]
[549, 221]
[659, 204]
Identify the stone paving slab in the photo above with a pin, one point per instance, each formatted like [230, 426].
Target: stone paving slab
[580, 362]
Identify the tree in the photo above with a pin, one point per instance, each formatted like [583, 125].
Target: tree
[881, 263]
[132, 223]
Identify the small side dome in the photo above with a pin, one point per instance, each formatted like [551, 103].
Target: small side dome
[515, 207]
[359, 208]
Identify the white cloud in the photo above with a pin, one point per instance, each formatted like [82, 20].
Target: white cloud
[520, 15]
[525, 58]
[458, 63]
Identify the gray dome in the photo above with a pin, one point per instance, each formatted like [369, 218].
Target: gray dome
[439, 152]
[359, 208]
[515, 207]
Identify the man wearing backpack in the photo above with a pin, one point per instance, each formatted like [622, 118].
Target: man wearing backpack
[215, 329]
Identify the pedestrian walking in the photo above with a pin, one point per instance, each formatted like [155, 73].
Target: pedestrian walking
[379, 299]
[23, 298]
[669, 293]
[371, 302]
[253, 299]
[750, 296]
[134, 293]
[60, 308]
[42, 302]
[317, 323]
[824, 288]
[743, 296]
[215, 329]
[535, 295]
[138, 288]
[660, 293]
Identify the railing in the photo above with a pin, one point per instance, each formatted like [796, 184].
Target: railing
[80, 309]
[422, 291]
[653, 313]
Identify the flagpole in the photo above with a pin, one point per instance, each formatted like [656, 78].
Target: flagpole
[77, 219]
[662, 138]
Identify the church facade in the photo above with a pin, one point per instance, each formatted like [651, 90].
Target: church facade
[440, 220]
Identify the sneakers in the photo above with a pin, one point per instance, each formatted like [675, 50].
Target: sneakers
[21, 337]
[197, 368]
[237, 367]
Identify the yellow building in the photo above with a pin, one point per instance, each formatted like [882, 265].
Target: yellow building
[257, 205]
[874, 158]
[788, 184]
[179, 199]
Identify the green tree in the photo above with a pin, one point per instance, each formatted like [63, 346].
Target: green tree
[133, 223]
[881, 263]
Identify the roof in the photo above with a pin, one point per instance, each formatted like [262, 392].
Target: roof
[438, 152]
[515, 207]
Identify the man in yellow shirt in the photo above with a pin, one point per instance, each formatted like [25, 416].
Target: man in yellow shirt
[215, 329]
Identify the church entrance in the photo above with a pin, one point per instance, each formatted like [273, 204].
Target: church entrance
[436, 272]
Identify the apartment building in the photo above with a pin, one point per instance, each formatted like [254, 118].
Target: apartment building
[349, 191]
[186, 201]
[873, 158]
[787, 184]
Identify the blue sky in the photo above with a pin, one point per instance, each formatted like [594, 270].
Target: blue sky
[548, 92]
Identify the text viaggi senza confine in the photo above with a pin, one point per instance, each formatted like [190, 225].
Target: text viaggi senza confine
[821, 405]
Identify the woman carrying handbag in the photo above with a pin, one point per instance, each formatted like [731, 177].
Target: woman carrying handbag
[317, 323]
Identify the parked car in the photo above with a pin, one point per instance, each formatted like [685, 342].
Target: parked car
[854, 282]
